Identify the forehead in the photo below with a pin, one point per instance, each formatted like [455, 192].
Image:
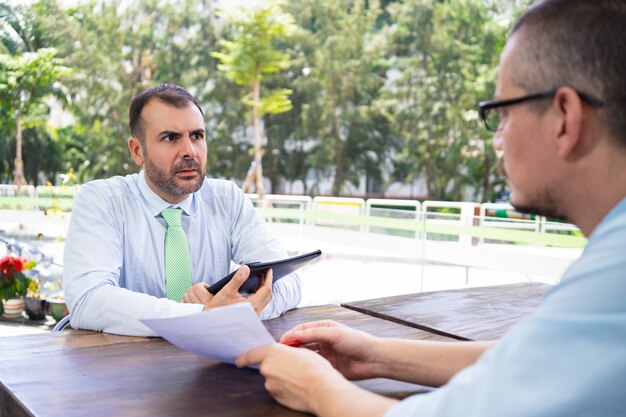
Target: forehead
[504, 82]
[159, 116]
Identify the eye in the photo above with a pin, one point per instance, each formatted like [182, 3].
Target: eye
[198, 135]
[168, 138]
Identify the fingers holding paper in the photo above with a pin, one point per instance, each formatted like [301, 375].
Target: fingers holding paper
[303, 380]
[291, 373]
[349, 351]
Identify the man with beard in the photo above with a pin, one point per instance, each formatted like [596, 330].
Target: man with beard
[559, 118]
[126, 257]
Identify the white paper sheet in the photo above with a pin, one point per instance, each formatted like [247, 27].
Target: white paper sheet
[222, 333]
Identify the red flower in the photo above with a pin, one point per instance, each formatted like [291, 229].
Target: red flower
[9, 263]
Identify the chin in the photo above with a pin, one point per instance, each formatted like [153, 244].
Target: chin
[546, 208]
[189, 185]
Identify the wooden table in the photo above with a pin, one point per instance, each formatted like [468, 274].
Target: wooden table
[484, 313]
[84, 373]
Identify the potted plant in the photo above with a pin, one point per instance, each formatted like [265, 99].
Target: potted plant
[55, 299]
[56, 306]
[13, 285]
[35, 302]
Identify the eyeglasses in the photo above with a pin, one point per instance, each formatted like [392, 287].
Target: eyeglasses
[491, 117]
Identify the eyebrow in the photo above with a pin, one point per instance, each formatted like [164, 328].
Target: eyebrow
[178, 133]
[169, 132]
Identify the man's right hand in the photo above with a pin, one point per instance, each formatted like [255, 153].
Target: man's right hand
[350, 351]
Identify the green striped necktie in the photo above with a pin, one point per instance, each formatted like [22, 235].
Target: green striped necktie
[177, 259]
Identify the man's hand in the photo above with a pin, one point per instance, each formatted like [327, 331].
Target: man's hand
[301, 379]
[262, 293]
[291, 374]
[349, 351]
[198, 294]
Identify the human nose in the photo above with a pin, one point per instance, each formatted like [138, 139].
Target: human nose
[188, 148]
[496, 142]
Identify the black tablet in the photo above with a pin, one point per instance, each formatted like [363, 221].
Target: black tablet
[279, 268]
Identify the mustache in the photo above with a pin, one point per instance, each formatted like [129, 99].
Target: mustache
[186, 164]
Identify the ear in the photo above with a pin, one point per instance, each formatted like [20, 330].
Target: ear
[569, 128]
[136, 150]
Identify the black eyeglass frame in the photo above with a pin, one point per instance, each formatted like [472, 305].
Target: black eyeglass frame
[484, 106]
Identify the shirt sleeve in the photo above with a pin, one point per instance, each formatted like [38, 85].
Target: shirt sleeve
[253, 242]
[91, 271]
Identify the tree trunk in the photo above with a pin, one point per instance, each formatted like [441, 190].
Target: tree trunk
[338, 180]
[258, 152]
[271, 160]
[303, 169]
[18, 178]
[255, 173]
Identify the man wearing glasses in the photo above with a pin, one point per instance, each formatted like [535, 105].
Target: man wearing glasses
[559, 118]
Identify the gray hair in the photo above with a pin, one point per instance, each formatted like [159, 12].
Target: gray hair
[576, 43]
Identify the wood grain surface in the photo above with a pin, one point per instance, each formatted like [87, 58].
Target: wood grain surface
[348, 317]
[484, 313]
[84, 373]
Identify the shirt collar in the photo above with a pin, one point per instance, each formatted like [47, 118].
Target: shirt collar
[157, 204]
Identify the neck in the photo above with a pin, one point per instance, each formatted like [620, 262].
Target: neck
[597, 189]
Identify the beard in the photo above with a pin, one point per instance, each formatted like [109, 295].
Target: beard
[168, 183]
[545, 204]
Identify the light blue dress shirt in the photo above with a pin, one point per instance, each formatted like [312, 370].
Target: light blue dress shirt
[567, 359]
[113, 271]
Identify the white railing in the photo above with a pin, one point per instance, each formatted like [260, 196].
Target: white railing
[302, 203]
[374, 203]
[464, 218]
[356, 213]
[341, 206]
[431, 234]
[8, 190]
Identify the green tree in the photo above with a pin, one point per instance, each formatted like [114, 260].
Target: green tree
[249, 58]
[379, 87]
[118, 49]
[445, 54]
[25, 81]
[20, 33]
[346, 131]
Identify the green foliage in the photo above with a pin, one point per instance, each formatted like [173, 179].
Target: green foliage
[351, 89]
[118, 49]
[345, 73]
[446, 54]
[252, 55]
[27, 78]
[13, 282]
[26, 81]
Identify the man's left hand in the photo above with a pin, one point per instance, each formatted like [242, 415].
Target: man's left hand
[198, 294]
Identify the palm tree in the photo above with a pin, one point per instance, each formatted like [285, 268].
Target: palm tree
[16, 37]
[29, 73]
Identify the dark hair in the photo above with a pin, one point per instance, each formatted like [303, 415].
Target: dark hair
[576, 43]
[167, 93]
